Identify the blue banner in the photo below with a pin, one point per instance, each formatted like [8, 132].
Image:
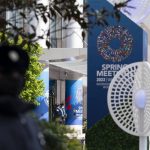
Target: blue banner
[74, 102]
[110, 48]
[42, 111]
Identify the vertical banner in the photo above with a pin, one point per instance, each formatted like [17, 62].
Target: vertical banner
[74, 102]
[42, 110]
[110, 48]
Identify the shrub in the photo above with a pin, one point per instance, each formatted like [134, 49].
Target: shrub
[56, 139]
[106, 135]
[33, 86]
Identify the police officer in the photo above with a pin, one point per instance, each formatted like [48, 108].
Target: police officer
[63, 113]
[18, 131]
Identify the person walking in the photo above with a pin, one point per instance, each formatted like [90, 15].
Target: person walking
[18, 131]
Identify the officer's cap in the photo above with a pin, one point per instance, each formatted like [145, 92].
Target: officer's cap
[13, 58]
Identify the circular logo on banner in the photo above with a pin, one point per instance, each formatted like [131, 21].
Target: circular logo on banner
[114, 43]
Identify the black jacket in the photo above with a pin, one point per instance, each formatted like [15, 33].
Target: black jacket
[17, 130]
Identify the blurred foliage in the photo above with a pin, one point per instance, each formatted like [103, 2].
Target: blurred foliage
[56, 137]
[24, 12]
[106, 135]
[33, 86]
[84, 127]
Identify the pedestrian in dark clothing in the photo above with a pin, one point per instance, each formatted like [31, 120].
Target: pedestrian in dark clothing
[18, 131]
[63, 113]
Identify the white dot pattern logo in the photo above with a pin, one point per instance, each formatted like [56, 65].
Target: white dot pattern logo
[115, 33]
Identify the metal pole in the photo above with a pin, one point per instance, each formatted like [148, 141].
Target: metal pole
[143, 143]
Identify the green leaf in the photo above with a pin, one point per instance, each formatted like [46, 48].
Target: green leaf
[48, 44]
[44, 18]
[23, 15]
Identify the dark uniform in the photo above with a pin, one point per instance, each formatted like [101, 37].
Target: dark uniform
[18, 131]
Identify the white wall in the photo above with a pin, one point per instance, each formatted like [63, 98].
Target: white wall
[61, 53]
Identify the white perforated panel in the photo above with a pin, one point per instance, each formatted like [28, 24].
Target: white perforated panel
[121, 102]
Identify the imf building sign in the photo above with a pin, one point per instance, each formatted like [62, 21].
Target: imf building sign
[110, 48]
